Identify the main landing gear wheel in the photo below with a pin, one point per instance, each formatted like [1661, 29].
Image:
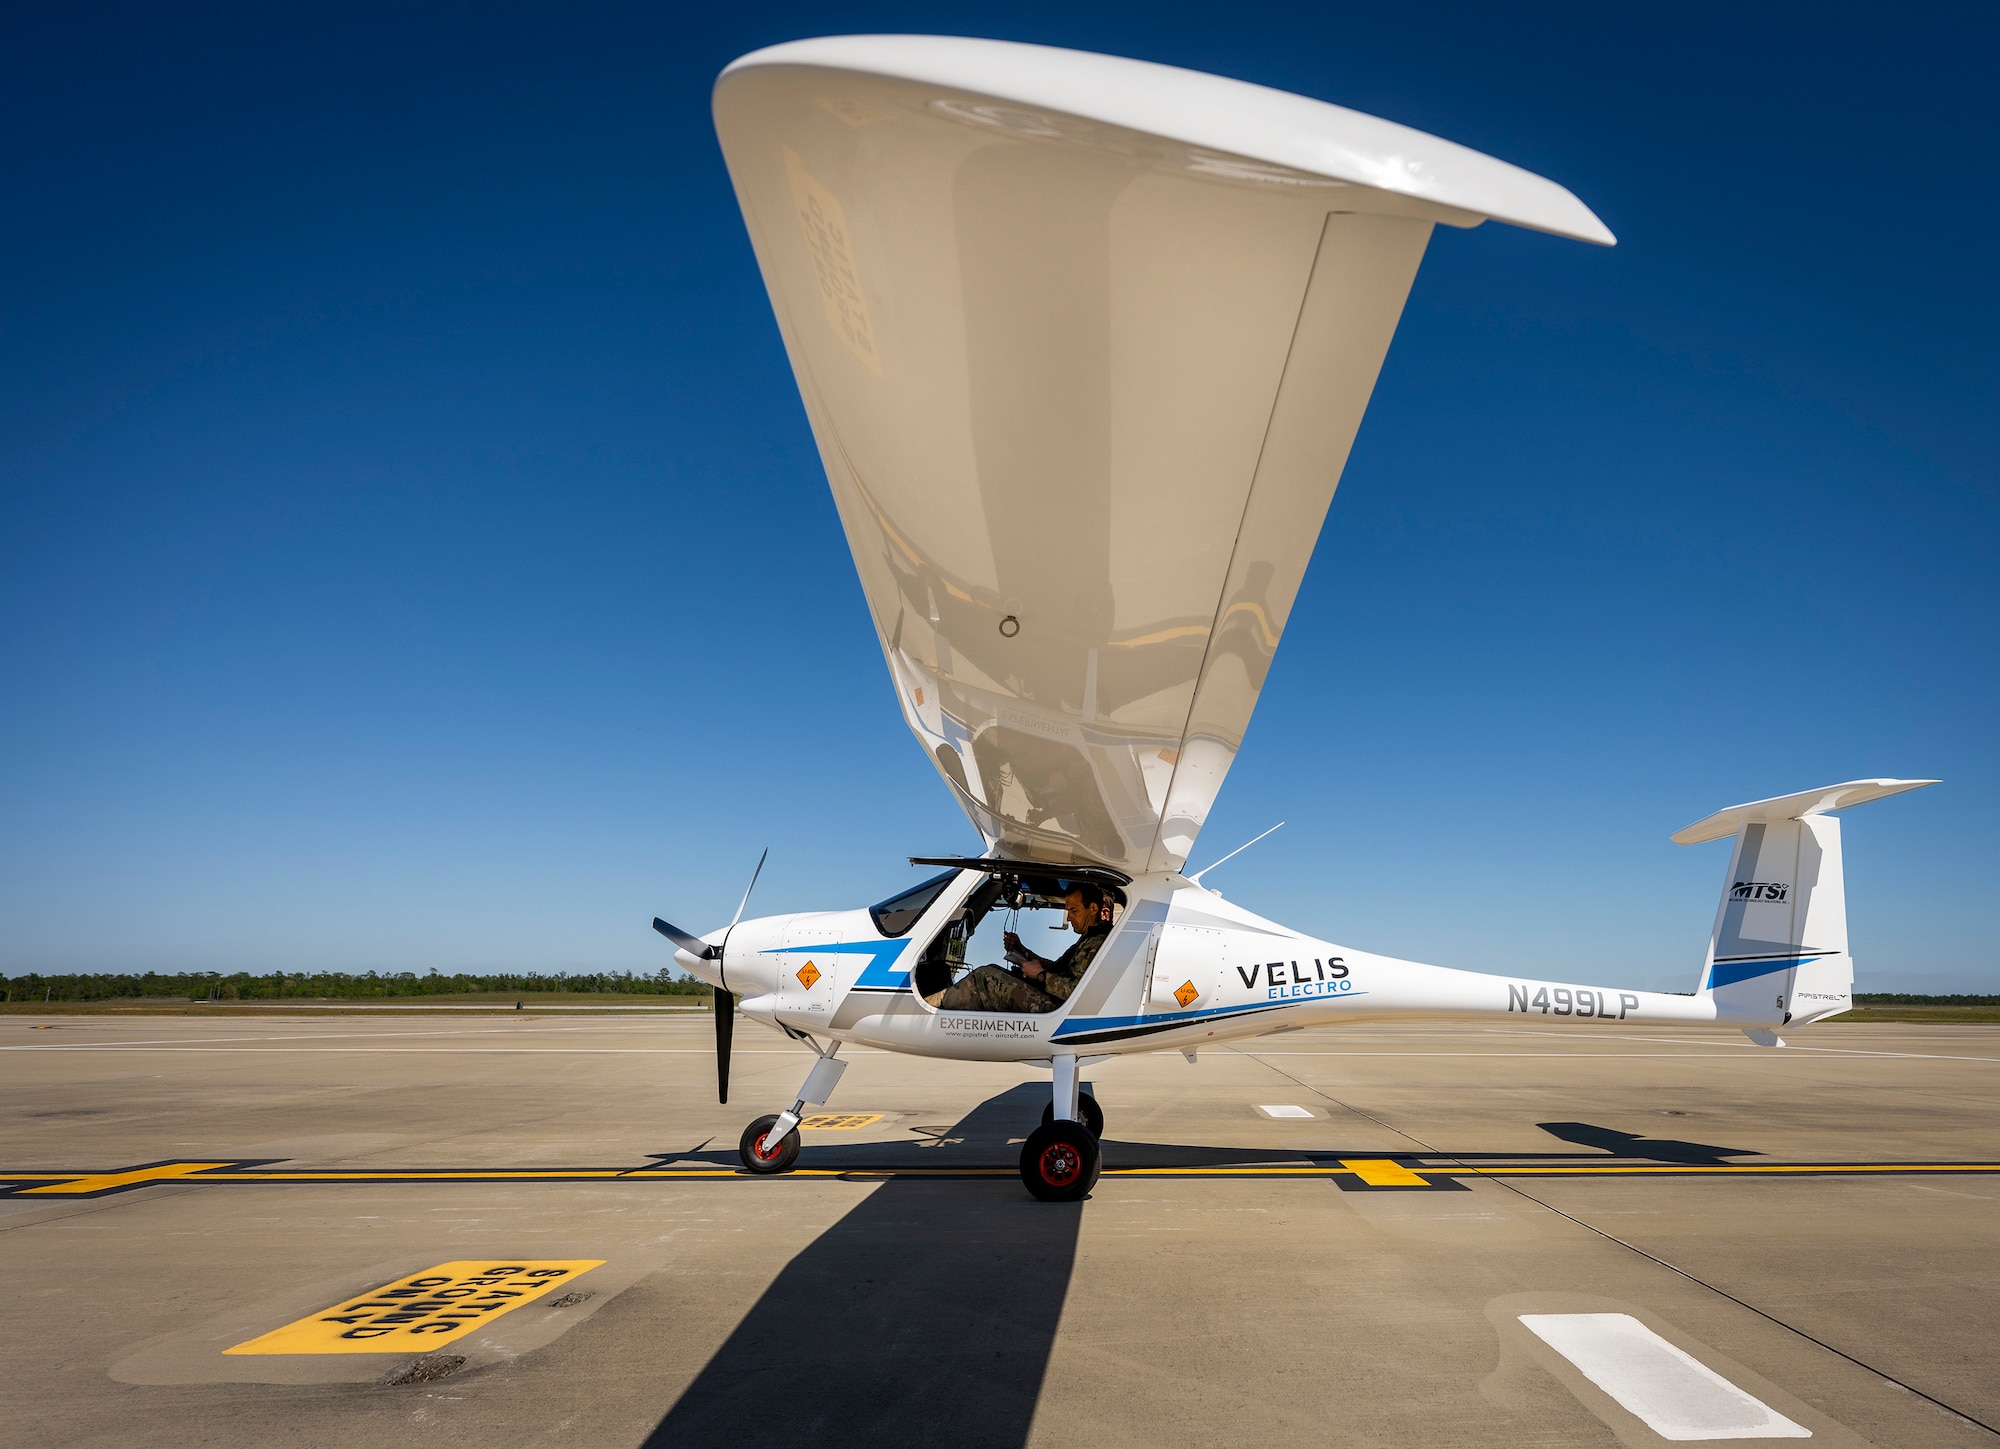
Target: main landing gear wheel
[1093, 1115]
[757, 1159]
[1060, 1162]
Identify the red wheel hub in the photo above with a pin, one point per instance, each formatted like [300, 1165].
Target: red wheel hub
[1060, 1164]
[758, 1148]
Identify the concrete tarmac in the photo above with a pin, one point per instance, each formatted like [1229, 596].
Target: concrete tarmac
[1818, 1226]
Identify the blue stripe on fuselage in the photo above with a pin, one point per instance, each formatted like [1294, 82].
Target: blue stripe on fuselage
[1728, 973]
[881, 954]
[1077, 1025]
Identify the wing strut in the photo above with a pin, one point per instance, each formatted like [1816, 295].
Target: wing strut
[1196, 877]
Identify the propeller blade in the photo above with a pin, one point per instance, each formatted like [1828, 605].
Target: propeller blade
[693, 945]
[751, 887]
[725, 1028]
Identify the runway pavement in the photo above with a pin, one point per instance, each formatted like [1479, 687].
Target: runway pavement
[224, 1232]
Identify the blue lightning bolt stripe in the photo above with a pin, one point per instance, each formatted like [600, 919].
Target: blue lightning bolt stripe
[882, 956]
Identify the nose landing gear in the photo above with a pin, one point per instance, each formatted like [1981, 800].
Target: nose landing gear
[771, 1143]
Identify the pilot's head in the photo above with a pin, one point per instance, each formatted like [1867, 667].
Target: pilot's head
[1084, 906]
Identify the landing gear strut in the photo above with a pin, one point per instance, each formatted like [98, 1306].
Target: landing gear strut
[771, 1144]
[1060, 1160]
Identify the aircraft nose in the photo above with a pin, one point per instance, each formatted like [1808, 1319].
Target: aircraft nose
[696, 966]
[748, 968]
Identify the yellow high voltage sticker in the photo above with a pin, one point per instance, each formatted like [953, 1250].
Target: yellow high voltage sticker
[416, 1314]
[808, 974]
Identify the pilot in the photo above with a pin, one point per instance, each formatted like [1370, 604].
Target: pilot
[1042, 985]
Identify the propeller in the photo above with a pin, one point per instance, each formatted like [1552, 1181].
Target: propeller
[693, 945]
[725, 999]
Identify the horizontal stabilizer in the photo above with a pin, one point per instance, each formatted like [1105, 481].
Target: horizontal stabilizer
[1727, 822]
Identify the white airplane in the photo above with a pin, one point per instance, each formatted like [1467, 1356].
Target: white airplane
[1084, 343]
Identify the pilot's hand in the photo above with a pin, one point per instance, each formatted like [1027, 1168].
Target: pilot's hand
[1011, 941]
[1031, 969]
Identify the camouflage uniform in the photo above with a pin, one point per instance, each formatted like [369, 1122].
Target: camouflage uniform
[994, 988]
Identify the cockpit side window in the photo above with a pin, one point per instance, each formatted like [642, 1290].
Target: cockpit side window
[895, 916]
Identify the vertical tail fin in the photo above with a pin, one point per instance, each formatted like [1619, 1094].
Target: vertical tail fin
[1778, 954]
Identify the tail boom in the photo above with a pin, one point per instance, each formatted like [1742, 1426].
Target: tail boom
[1394, 990]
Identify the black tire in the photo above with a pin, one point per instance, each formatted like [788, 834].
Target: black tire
[1060, 1162]
[1093, 1115]
[757, 1162]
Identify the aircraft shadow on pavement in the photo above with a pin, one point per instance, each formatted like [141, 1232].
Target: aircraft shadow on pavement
[928, 1313]
[1655, 1149]
[924, 1316]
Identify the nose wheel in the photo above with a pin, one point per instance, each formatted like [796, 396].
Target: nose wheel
[762, 1158]
[1060, 1162]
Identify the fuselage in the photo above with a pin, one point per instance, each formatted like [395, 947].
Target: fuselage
[1182, 968]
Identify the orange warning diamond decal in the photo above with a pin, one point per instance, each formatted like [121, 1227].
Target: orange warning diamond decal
[1186, 994]
[808, 974]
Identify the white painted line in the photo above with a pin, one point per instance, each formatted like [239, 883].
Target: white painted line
[443, 1051]
[1475, 1056]
[1752, 1046]
[1286, 1110]
[1677, 1396]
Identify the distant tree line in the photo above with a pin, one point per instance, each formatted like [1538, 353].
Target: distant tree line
[333, 985]
[1904, 998]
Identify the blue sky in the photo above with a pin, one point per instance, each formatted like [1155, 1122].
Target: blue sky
[414, 552]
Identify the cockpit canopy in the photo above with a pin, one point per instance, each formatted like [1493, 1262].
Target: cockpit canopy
[1022, 885]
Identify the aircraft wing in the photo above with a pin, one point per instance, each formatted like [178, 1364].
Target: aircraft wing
[1084, 343]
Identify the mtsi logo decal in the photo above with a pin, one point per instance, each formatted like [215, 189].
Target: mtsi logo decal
[1760, 890]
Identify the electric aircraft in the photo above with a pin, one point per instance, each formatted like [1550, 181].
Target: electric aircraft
[1084, 343]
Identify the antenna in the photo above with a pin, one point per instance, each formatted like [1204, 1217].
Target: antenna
[1196, 877]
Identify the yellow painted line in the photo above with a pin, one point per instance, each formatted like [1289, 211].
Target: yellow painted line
[104, 1181]
[1746, 1169]
[417, 1313]
[459, 1174]
[1259, 1171]
[1380, 1172]
[1373, 1172]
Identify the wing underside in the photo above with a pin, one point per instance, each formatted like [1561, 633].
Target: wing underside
[1083, 394]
